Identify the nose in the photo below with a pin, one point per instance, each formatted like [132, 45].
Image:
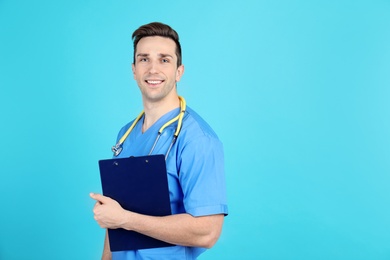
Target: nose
[153, 68]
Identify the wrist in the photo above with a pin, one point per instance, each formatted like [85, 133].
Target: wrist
[124, 219]
[127, 221]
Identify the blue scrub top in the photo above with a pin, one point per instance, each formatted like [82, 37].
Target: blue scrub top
[195, 167]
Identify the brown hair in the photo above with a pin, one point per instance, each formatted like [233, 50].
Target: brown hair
[157, 29]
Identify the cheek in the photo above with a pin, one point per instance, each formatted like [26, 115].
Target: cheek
[136, 76]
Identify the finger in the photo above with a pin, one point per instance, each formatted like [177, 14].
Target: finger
[97, 204]
[98, 197]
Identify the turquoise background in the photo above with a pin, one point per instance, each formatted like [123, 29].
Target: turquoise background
[298, 91]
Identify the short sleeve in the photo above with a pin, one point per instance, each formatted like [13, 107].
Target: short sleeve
[202, 177]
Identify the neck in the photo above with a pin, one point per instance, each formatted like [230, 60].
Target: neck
[155, 110]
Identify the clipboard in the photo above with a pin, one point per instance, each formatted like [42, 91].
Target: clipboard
[138, 184]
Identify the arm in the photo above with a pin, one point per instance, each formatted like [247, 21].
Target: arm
[180, 229]
[106, 249]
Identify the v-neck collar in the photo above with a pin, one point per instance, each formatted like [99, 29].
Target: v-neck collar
[157, 125]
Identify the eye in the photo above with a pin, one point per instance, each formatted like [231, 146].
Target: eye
[143, 60]
[165, 60]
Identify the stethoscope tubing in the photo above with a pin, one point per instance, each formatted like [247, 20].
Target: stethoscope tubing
[118, 147]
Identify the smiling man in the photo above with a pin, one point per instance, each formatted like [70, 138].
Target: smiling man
[194, 163]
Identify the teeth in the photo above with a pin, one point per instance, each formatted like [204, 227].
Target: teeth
[154, 81]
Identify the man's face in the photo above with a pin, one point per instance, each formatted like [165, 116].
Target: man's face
[155, 68]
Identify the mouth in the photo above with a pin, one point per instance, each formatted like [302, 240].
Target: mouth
[154, 82]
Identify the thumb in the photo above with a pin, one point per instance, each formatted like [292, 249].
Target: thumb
[98, 197]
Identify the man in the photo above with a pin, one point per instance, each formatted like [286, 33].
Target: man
[194, 164]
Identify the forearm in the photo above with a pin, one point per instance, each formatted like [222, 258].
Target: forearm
[106, 249]
[180, 229]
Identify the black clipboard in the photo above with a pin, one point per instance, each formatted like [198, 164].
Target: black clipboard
[138, 184]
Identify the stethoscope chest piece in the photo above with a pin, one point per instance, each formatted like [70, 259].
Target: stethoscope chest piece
[117, 149]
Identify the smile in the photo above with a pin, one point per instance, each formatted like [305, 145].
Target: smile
[154, 82]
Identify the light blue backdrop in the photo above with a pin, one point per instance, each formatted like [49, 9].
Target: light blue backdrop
[298, 91]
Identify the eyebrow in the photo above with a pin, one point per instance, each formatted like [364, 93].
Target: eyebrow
[162, 55]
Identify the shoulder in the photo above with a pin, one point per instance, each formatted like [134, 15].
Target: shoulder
[124, 129]
[196, 137]
[196, 126]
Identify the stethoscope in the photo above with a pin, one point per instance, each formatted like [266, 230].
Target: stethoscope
[117, 149]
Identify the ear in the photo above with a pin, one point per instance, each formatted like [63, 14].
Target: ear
[133, 69]
[179, 72]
